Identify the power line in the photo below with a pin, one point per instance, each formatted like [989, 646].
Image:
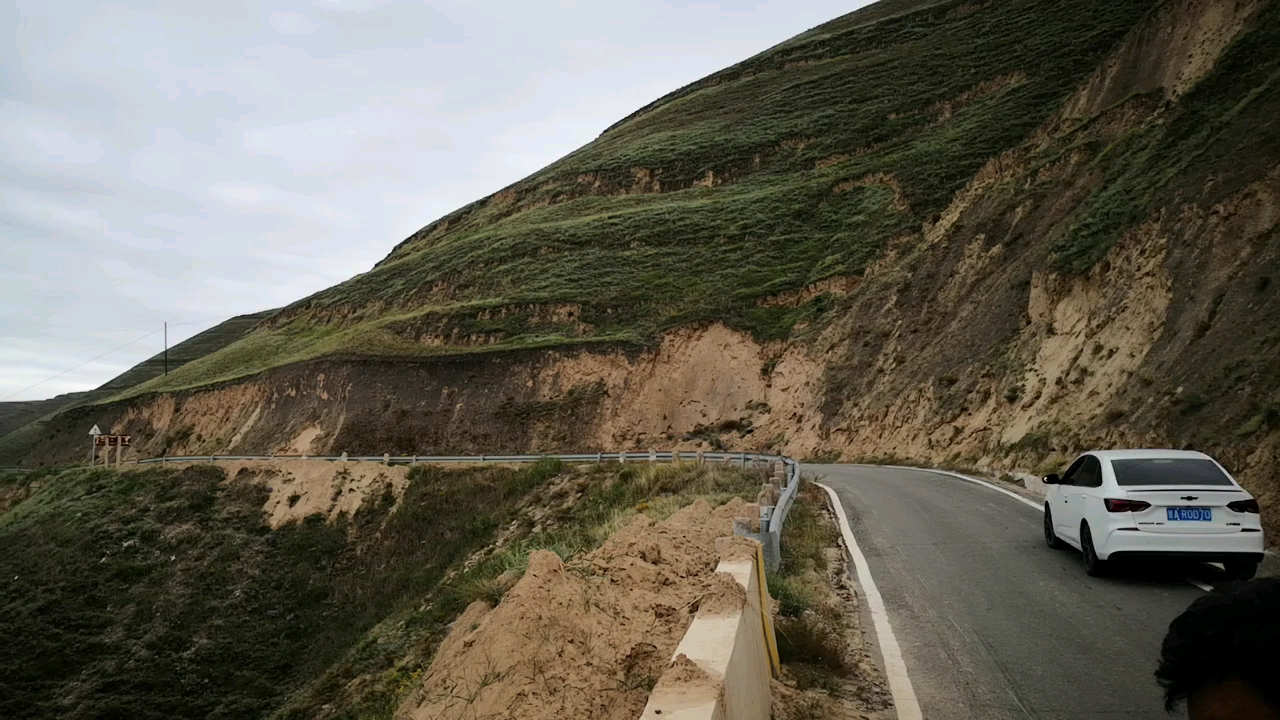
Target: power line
[86, 362]
[219, 319]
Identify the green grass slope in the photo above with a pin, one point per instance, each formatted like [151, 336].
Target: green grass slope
[15, 414]
[191, 349]
[794, 166]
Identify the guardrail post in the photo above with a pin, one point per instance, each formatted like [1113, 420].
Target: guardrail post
[413, 460]
[344, 457]
[599, 458]
[622, 457]
[653, 455]
[698, 457]
[386, 458]
[675, 457]
[766, 512]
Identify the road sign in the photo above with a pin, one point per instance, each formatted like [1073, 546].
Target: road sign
[95, 432]
[112, 440]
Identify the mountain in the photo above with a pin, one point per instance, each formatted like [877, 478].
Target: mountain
[988, 233]
[15, 414]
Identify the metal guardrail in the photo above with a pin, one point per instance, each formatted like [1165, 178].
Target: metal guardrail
[787, 497]
[772, 518]
[743, 458]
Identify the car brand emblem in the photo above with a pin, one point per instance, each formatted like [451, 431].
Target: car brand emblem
[1190, 497]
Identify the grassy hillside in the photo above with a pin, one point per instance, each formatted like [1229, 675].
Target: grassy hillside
[15, 414]
[794, 166]
[191, 349]
[164, 594]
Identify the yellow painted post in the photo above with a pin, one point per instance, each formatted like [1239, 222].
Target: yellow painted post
[770, 641]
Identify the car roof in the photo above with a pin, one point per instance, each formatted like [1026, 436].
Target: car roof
[1148, 454]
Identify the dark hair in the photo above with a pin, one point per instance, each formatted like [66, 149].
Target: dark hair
[1229, 633]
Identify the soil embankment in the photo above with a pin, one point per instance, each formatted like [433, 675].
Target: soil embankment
[586, 639]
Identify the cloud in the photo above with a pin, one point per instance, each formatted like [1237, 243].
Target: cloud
[59, 145]
[352, 6]
[292, 23]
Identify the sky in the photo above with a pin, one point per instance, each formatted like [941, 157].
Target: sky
[187, 162]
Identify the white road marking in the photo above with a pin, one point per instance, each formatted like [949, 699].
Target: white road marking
[997, 488]
[1203, 586]
[904, 695]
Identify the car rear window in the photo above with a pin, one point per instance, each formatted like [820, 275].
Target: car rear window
[1168, 471]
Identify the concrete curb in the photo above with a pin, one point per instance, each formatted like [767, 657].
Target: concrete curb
[731, 655]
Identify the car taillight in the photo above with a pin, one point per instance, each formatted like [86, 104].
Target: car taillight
[1117, 505]
[1246, 506]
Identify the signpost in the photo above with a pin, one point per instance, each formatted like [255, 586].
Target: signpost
[119, 442]
[93, 445]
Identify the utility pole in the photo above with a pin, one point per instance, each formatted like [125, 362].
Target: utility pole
[166, 347]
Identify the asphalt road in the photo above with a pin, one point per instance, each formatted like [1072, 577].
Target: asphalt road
[994, 624]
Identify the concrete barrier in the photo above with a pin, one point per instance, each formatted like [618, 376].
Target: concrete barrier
[722, 667]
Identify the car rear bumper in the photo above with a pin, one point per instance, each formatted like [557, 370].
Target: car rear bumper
[1208, 547]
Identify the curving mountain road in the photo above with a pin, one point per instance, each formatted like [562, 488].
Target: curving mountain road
[992, 623]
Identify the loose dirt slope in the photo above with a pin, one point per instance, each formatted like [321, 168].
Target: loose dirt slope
[588, 640]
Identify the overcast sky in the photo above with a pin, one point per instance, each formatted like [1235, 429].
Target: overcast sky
[186, 162]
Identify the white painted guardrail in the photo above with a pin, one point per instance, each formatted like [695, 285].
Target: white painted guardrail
[772, 517]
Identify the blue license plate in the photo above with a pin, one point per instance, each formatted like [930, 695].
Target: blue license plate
[1192, 514]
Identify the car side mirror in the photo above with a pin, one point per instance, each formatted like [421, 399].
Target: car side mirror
[1051, 479]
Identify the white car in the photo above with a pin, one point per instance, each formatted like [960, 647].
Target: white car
[1114, 504]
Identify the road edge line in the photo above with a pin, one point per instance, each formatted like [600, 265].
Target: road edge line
[895, 668]
[997, 488]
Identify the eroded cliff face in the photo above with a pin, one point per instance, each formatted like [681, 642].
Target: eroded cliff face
[1114, 280]
[981, 342]
[700, 387]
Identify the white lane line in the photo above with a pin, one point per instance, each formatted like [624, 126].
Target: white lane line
[1203, 586]
[904, 695]
[997, 488]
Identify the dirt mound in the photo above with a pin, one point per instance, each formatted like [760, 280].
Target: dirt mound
[300, 488]
[587, 639]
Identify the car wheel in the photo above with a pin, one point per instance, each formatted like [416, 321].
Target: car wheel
[1093, 566]
[1051, 537]
[1241, 569]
